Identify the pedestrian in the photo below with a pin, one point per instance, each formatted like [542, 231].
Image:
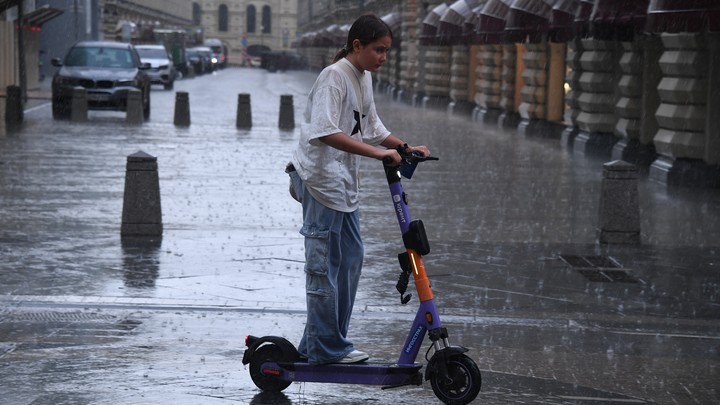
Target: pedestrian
[340, 124]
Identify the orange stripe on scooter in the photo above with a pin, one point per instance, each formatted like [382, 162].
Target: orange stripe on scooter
[422, 283]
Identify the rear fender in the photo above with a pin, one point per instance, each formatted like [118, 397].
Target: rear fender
[287, 348]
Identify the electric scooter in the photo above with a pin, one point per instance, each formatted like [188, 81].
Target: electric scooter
[455, 378]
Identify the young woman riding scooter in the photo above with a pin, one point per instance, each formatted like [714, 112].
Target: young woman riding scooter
[340, 126]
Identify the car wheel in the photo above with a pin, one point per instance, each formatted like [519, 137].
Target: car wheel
[146, 104]
[60, 110]
[169, 85]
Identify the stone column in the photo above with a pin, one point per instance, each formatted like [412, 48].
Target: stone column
[597, 98]
[459, 76]
[572, 59]
[408, 51]
[437, 80]
[687, 138]
[490, 70]
[533, 93]
[509, 101]
[638, 96]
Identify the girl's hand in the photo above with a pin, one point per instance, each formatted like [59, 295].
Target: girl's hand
[422, 149]
[389, 156]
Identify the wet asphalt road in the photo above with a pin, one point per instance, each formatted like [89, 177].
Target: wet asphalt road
[86, 318]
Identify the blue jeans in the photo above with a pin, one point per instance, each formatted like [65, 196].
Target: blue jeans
[333, 263]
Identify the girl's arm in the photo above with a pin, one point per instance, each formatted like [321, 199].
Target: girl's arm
[345, 143]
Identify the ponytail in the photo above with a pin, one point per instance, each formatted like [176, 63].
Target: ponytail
[343, 52]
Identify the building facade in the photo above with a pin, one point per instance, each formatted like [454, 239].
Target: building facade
[271, 23]
[636, 80]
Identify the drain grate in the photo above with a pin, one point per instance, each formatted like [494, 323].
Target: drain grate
[602, 269]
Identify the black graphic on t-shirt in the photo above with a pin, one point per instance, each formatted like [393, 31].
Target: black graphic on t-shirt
[357, 128]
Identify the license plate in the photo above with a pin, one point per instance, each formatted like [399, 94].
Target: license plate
[98, 97]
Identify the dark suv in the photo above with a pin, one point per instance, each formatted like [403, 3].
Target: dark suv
[107, 70]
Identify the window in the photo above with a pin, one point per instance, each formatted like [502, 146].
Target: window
[250, 13]
[196, 14]
[266, 20]
[222, 18]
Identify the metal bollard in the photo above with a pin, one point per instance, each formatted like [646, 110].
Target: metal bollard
[619, 205]
[244, 115]
[134, 113]
[78, 107]
[14, 113]
[141, 214]
[182, 109]
[287, 113]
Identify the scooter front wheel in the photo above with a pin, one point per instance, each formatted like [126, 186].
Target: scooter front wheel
[265, 353]
[461, 384]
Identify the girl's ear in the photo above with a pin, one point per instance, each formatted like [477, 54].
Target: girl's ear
[356, 44]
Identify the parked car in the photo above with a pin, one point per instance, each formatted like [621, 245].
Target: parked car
[195, 61]
[219, 50]
[205, 55]
[107, 70]
[282, 61]
[162, 69]
[255, 52]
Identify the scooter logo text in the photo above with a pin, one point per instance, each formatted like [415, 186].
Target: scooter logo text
[414, 339]
[398, 208]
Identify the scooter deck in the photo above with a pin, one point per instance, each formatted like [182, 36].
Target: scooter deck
[369, 373]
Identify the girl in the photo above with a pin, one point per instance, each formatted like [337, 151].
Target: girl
[340, 125]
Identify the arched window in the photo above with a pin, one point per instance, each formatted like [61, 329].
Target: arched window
[222, 18]
[196, 14]
[266, 20]
[250, 13]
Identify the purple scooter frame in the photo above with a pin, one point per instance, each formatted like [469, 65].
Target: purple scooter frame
[455, 378]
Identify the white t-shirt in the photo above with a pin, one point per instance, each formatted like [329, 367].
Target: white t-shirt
[331, 175]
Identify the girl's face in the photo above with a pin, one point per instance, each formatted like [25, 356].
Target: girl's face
[373, 55]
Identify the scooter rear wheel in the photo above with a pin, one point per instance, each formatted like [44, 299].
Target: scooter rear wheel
[268, 352]
[461, 384]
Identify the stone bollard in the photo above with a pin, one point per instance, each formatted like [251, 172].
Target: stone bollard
[141, 214]
[78, 107]
[182, 109]
[244, 114]
[14, 113]
[619, 205]
[134, 113]
[287, 113]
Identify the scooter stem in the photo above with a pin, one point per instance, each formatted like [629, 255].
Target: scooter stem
[422, 282]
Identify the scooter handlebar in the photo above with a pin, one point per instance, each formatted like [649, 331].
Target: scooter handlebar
[407, 157]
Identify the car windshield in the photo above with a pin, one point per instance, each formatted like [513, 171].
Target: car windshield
[100, 57]
[152, 53]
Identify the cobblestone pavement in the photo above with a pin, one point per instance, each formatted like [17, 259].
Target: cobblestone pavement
[87, 318]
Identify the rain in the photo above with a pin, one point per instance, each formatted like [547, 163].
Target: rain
[548, 313]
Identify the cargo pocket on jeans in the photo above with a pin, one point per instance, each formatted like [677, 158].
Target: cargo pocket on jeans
[316, 249]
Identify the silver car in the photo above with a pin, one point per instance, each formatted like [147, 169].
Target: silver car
[162, 70]
[107, 70]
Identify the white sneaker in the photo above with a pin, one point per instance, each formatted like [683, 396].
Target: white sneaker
[355, 356]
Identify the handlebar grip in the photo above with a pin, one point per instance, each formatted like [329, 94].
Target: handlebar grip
[387, 160]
